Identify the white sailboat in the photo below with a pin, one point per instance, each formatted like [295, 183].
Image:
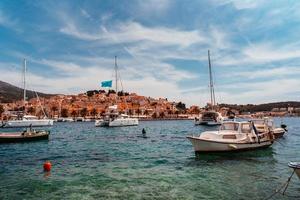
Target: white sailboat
[210, 117]
[232, 136]
[27, 120]
[113, 118]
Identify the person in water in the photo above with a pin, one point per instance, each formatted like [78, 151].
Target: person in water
[144, 132]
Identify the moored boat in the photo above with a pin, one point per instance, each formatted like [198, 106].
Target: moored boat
[232, 136]
[210, 117]
[28, 135]
[26, 121]
[261, 124]
[114, 119]
[296, 167]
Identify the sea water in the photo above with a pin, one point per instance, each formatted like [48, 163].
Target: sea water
[118, 163]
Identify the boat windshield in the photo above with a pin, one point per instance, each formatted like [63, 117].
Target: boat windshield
[229, 127]
[259, 122]
[246, 128]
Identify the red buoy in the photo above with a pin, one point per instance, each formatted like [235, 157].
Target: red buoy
[47, 166]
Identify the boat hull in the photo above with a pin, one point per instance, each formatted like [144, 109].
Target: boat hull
[101, 123]
[18, 137]
[278, 132]
[201, 145]
[124, 122]
[296, 167]
[207, 123]
[27, 123]
[297, 172]
[117, 123]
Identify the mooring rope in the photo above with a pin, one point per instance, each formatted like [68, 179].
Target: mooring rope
[284, 185]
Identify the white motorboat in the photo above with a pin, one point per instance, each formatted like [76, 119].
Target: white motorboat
[114, 119]
[266, 121]
[65, 119]
[296, 167]
[27, 120]
[210, 117]
[232, 136]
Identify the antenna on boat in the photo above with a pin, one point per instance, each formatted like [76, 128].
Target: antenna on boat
[24, 81]
[211, 83]
[116, 74]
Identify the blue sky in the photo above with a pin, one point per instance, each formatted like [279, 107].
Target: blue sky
[161, 47]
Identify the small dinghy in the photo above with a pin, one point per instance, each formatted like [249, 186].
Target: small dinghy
[27, 135]
[232, 136]
[296, 167]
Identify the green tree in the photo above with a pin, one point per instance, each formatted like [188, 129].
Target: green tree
[181, 106]
[1, 110]
[83, 112]
[94, 112]
[138, 112]
[177, 113]
[162, 115]
[146, 112]
[54, 109]
[31, 110]
[64, 112]
[154, 115]
[73, 113]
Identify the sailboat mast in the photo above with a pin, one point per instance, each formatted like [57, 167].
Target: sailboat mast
[116, 74]
[24, 82]
[211, 84]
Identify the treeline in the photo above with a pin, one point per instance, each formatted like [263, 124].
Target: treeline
[93, 92]
[261, 107]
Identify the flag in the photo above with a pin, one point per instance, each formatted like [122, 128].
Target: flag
[106, 83]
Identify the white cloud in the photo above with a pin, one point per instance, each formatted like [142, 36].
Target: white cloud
[260, 53]
[150, 8]
[130, 32]
[267, 52]
[84, 13]
[272, 73]
[242, 4]
[8, 22]
[261, 92]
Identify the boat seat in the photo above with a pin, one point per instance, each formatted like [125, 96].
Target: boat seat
[229, 136]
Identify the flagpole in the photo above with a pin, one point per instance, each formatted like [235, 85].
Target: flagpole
[116, 71]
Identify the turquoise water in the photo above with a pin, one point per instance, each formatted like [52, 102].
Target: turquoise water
[115, 163]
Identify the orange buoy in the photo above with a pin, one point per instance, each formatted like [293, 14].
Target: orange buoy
[47, 166]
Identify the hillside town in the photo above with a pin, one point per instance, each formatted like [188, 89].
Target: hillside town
[94, 104]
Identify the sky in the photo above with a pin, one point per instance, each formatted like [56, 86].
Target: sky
[161, 47]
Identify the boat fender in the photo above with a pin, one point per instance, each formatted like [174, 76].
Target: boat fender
[232, 146]
[47, 166]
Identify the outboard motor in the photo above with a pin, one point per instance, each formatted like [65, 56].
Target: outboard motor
[284, 127]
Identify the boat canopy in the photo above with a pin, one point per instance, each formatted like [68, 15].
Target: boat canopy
[242, 127]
